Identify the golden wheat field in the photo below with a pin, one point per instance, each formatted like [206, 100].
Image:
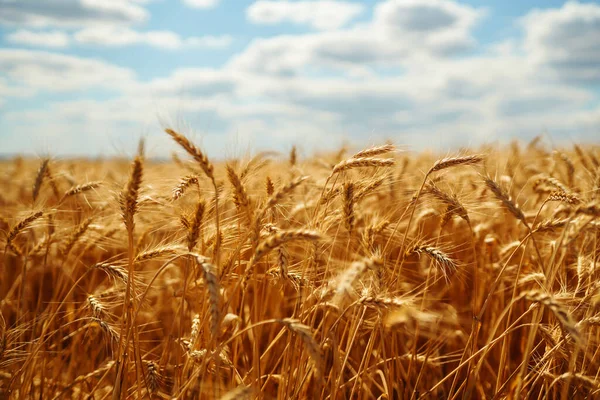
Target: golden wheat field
[372, 274]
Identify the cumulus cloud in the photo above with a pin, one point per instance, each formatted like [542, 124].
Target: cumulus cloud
[53, 39]
[121, 36]
[425, 15]
[40, 70]
[70, 13]
[322, 15]
[394, 36]
[566, 40]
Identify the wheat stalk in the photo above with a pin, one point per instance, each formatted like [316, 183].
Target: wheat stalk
[209, 273]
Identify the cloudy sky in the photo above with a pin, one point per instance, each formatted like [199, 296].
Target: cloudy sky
[89, 77]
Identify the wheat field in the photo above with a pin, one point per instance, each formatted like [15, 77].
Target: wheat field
[377, 274]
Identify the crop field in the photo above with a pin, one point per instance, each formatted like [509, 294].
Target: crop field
[371, 274]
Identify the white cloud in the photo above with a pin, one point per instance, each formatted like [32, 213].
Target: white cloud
[54, 39]
[201, 3]
[198, 82]
[441, 27]
[455, 103]
[322, 15]
[425, 15]
[566, 41]
[70, 13]
[120, 36]
[40, 70]
[394, 37]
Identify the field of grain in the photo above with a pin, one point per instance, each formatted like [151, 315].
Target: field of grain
[377, 274]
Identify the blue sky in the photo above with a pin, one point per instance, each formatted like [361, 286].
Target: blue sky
[89, 77]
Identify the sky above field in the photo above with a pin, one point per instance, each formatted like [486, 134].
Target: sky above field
[90, 77]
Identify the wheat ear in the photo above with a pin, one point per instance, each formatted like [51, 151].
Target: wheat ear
[129, 197]
[362, 162]
[344, 283]
[75, 236]
[505, 199]
[454, 162]
[195, 224]
[562, 315]
[240, 195]
[375, 151]
[453, 205]
[348, 210]
[208, 169]
[195, 152]
[447, 265]
[183, 185]
[18, 228]
[280, 238]
[39, 178]
[75, 190]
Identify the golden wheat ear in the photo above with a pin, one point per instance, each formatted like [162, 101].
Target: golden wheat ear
[455, 162]
[18, 228]
[505, 199]
[375, 151]
[240, 195]
[84, 187]
[348, 210]
[193, 151]
[446, 265]
[183, 185]
[39, 178]
[129, 196]
[362, 162]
